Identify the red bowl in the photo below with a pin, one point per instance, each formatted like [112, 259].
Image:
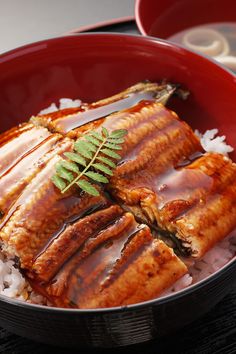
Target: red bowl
[94, 66]
[162, 19]
[90, 67]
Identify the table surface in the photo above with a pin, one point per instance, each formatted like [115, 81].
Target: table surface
[215, 333]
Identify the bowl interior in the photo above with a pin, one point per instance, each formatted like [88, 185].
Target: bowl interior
[162, 19]
[93, 66]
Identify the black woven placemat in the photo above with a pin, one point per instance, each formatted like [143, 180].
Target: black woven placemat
[214, 333]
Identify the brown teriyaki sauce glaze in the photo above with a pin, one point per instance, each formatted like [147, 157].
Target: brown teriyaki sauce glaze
[97, 268]
[92, 114]
[16, 145]
[179, 182]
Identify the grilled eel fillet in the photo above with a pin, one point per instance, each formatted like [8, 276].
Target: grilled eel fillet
[24, 151]
[59, 239]
[195, 202]
[76, 121]
[17, 142]
[110, 261]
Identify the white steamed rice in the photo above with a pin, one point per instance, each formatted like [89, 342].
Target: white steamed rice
[13, 284]
[213, 143]
[63, 103]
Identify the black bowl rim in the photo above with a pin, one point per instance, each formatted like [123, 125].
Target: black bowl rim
[12, 54]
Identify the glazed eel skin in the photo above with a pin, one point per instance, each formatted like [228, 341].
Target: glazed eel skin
[76, 249]
[88, 252]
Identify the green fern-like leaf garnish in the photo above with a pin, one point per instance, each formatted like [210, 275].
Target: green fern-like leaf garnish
[92, 160]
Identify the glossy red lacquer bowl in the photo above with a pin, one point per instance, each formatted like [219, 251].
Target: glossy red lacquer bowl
[93, 66]
[163, 18]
